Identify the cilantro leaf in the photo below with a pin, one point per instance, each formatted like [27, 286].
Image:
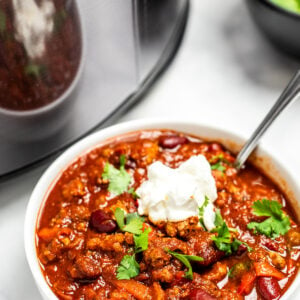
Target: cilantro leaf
[268, 208]
[35, 70]
[223, 240]
[218, 166]
[134, 226]
[130, 217]
[128, 268]
[236, 244]
[218, 219]
[141, 241]
[119, 180]
[230, 272]
[120, 216]
[133, 193]
[2, 21]
[134, 223]
[278, 222]
[218, 161]
[201, 212]
[185, 259]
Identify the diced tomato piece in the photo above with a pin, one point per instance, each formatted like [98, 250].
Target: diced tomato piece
[265, 269]
[247, 283]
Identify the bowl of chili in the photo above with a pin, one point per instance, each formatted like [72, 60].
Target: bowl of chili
[39, 74]
[84, 237]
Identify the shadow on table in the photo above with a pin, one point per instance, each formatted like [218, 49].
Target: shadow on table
[261, 62]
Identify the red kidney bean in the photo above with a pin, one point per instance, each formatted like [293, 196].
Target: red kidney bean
[268, 288]
[130, 164]
[102, 222]
[142, 277]
[242, 248]
[272, 245]
[199, 294]
[172, 141]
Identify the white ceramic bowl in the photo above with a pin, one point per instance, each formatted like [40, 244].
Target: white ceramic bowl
[272, 166]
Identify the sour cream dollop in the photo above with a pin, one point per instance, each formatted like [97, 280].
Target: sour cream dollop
[34, 23]
[176, 194]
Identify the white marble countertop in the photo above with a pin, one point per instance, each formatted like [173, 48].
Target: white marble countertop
[225, 74]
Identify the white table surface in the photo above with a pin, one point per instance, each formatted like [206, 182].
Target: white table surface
[225, 74]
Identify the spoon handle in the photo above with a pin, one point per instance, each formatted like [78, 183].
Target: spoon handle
[290, 93]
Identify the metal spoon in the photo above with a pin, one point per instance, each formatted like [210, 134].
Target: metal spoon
[290, 93]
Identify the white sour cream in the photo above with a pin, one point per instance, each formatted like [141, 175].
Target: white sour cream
[33, 23]
[176, 194]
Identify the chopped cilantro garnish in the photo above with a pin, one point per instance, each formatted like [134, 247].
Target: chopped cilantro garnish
[119, 180]
[141, 241]
[229, 274]
[218, 161]
[2, 21]
[128, 268]
[218, 166]
[278, 222]
[120, 216]
[34, 69]
[185, 259]
[59, 19]
[223, 239]
[201, 212]
[133, 224]
[133, 193]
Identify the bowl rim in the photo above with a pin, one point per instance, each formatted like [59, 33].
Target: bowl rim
[279, 9]
[56, 168]
[68, 92]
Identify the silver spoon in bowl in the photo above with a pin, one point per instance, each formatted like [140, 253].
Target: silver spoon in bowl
[289, 95]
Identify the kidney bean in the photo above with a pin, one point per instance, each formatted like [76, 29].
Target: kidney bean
[131, 164]
[142, 277]
[272, 245]
[172, 141]
[242, 249]
[268, 288]
[199, 294]
[102, 222]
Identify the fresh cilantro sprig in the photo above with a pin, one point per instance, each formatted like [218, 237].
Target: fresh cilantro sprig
[119, 180]
[278, 222]
[218, 166]
[141, 241]
[133, 193]
[35, 70]
[128, 268]
[2, 21]
[219, 160]
[201, 212]
[223, 239]
[132, 223]
[186, 259]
